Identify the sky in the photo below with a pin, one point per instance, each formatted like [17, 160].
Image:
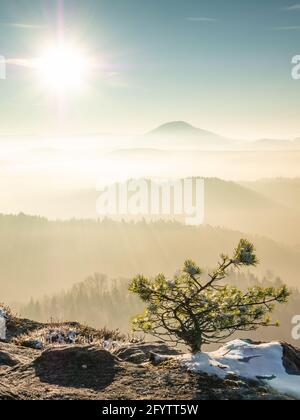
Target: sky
[223, 66]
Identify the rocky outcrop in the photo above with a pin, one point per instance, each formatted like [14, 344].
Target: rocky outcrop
[84, 372]
[77, 366]
[11, 355]
[291, 359]
[142, 353]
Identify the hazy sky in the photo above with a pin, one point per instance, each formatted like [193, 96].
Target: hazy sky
[220, 65]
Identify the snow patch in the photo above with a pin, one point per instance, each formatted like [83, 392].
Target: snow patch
[61, 336]
[3, 318]
[65, 335]
[246, 360]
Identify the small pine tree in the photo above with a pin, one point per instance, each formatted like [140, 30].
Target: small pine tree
[190, 310]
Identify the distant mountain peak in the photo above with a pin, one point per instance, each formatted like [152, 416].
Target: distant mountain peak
[178, 127]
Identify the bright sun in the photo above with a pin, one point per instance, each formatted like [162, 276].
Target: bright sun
[63, 68]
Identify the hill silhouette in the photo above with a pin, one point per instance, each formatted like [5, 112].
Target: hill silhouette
[181, 134]
[39, 257]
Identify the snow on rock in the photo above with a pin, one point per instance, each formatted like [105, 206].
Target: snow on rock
[250, 361]
[110, 345]
[2, 328]
[61, 336]
[64, 335]
[3, 319]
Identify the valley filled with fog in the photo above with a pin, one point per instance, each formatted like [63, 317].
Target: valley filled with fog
[52, 238]
[57, 177]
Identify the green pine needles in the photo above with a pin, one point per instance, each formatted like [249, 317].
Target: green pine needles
[195, 311]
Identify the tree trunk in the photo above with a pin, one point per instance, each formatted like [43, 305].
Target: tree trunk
[196, 346]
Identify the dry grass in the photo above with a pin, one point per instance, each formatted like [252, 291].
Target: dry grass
[47, 336]
[6, 309]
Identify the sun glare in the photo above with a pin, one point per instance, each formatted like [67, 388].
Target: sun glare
[63, 68]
